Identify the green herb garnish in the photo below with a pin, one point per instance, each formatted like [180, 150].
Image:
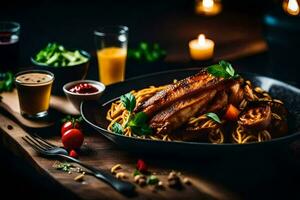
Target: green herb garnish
[63, 166]
[6, 82]
[117, 128]
[137, 122]
[152, 180]
[213, 116]
[57, 56]
[128, 101]
[72, 118]
[223, 69]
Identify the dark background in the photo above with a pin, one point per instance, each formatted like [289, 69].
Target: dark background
[170, 23]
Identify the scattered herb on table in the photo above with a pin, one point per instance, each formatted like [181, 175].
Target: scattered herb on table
[6, 82]
[66, 167]
[147, 52]
[222, 69]
[56, 55]
[214, 117]
[152, 180]
[63, 166]
[136, 172]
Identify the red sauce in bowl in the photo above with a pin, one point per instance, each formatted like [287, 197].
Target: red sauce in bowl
[83, 88]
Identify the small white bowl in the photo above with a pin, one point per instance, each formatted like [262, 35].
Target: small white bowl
[76, 98]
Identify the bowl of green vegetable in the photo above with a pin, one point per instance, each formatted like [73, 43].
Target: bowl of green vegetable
[66, 65]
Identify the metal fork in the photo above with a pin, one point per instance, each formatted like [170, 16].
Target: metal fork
[49, 150]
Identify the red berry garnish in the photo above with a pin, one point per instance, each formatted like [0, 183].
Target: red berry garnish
[141, 166]
[73, 154]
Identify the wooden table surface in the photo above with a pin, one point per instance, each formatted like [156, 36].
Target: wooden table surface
[101, 153]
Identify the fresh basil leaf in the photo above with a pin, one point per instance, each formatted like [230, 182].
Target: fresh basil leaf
[117, 128]
[218, 71]
[213, 116]
[223, 69]
[139, 118]
[128, 101]
[138, 124]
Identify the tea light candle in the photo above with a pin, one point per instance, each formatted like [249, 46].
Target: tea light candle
[201, 48]
[291, 7]
[208, 7]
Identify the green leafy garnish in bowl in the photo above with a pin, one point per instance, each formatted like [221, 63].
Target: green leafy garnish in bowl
[56, 55]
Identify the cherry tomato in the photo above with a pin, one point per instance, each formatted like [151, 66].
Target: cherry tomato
[69, 125]
[72, 139]
[73, 154]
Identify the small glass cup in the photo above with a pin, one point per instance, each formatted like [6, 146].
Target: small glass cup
[34, 90]
[111, 43]
[9, 45]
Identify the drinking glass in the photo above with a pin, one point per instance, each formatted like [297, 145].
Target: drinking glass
[34, 90]
[111, 43]
[9, 45]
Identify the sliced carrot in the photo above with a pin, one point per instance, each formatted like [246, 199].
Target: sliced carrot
[232, 113]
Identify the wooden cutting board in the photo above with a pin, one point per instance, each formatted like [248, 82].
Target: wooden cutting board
[10, 103]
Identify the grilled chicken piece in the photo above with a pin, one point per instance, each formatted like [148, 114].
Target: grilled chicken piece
[187, 87]
[236, 94]
[219, 102]
[179, 112]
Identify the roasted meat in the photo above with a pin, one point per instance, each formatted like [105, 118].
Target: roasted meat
[193, 85]
[178, 113]
[219, 102]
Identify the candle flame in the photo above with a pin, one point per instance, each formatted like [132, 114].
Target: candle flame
[293, 7]
[201, 39]
[208, 3]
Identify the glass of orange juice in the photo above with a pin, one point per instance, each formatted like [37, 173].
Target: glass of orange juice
[111, 43]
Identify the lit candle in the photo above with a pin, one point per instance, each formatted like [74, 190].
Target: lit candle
[201, 48]
[291, 7]
[208, 7]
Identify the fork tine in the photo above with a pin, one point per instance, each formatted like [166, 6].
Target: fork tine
[44, 141]
[36, 148]
[37, 143]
